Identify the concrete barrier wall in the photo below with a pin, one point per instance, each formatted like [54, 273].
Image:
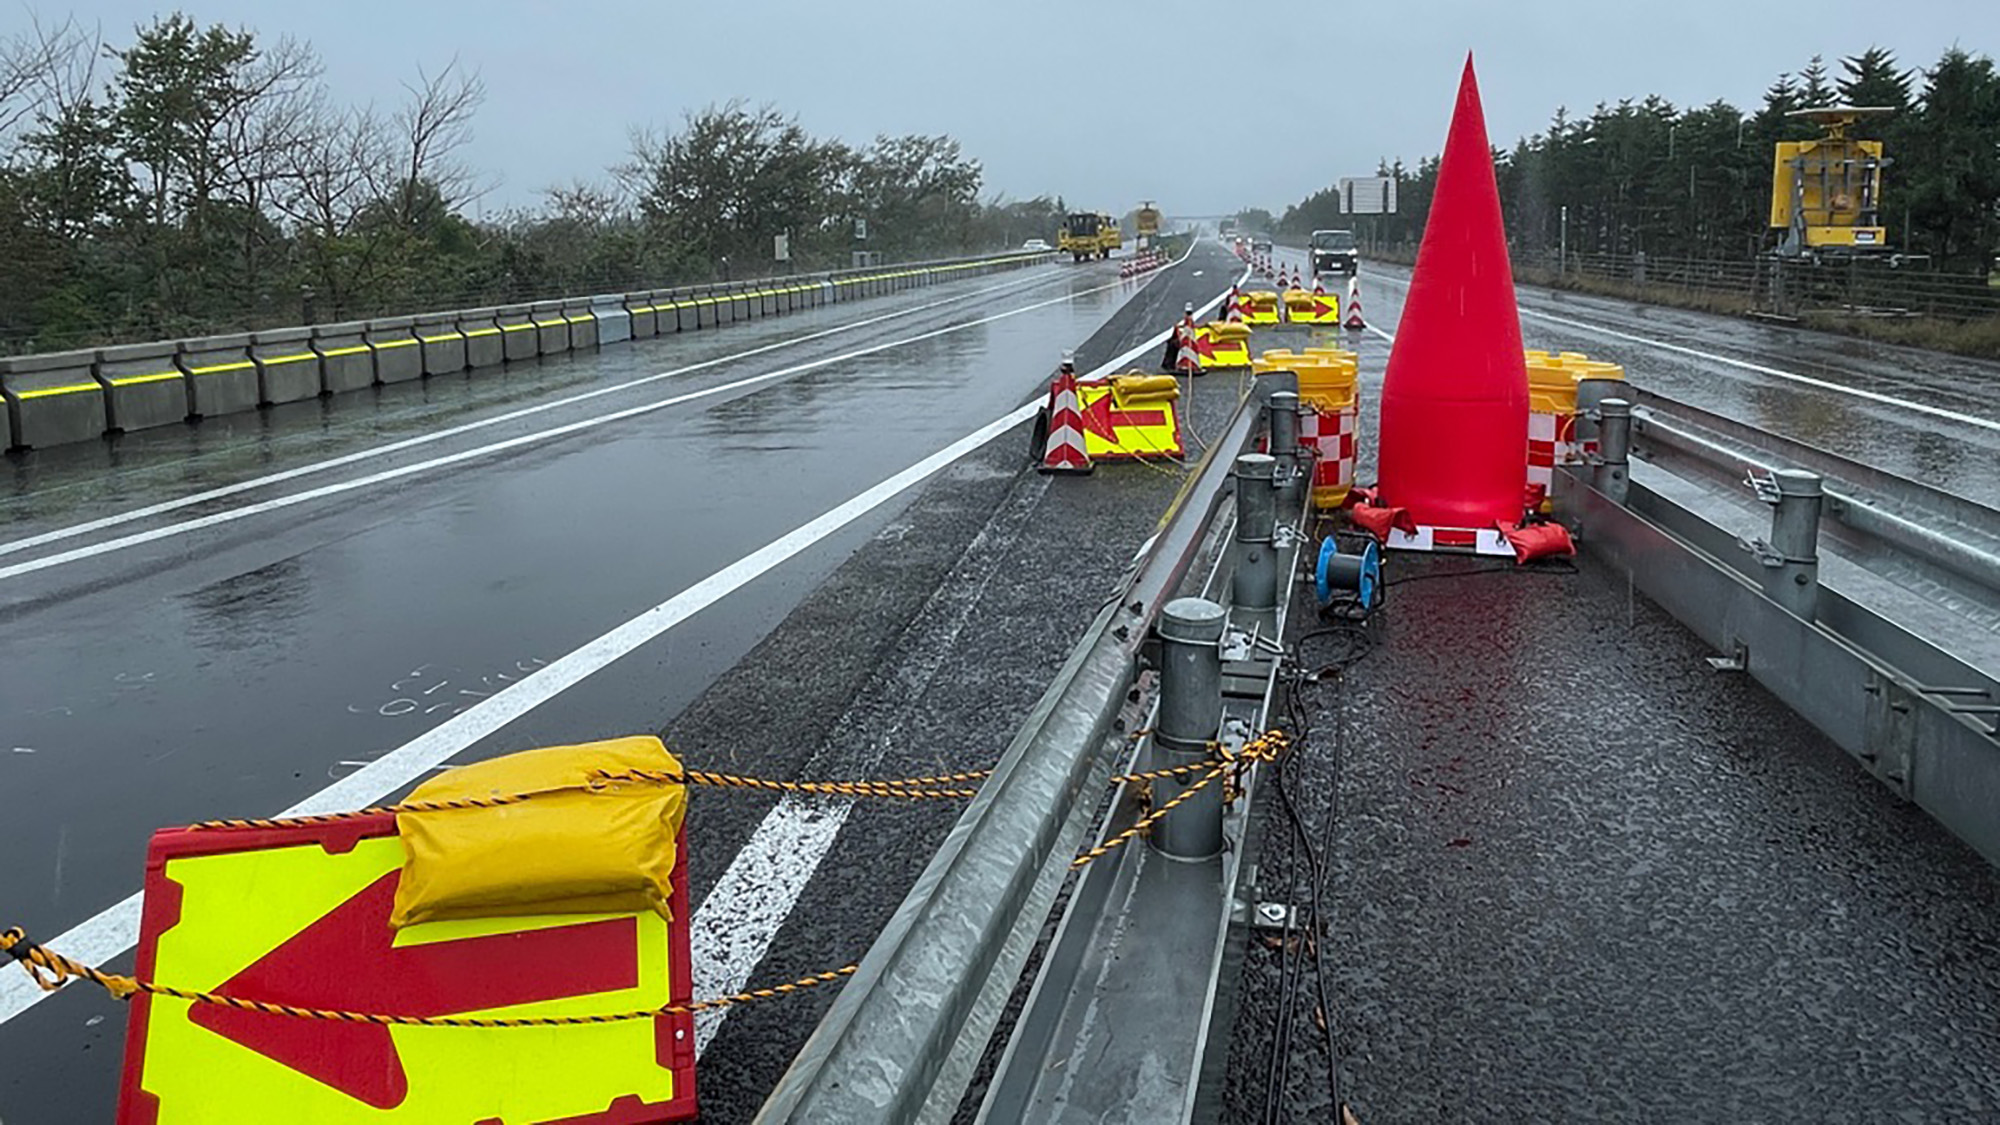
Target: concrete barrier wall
[346, 363]
[518, 335]
[613, 321]
[440, 344]
[288, 369]
[58, 398]
[582, 325]
[143, 387]
[642, 318]
[53, 399]
[551, 330]
[485, 344]
[221, 376]
[399, 355]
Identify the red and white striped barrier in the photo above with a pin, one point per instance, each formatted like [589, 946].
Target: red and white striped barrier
[1064, 452]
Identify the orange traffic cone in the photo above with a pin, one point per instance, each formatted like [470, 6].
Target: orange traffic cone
[1064, 452]
[1354, 321]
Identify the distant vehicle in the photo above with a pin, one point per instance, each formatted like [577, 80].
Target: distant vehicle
[1037, 245]
[1260, 243]
[1334, 251]
[1088, 235]
[1148, 220]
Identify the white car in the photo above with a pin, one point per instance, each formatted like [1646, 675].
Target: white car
[1036, 245]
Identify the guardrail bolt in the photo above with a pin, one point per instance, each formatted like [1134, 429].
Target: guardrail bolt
[1190, 718]
[1794, 581]
[1614, 448]
[1284, 431]
[1254, 585]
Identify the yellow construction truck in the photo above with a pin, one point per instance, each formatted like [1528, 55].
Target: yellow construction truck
[1088, 234]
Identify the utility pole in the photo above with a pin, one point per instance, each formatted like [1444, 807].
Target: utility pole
[1562, 255]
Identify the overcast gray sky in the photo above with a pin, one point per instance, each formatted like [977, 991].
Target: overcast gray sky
[1205, 107]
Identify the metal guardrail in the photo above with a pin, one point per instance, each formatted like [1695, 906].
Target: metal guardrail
[1923, 721]
[901, 1042]
[1893, 513]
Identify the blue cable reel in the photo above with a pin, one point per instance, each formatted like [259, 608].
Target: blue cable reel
[1359, 574]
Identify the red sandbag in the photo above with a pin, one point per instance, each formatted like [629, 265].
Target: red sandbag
[1378, 521]
[1537, 541]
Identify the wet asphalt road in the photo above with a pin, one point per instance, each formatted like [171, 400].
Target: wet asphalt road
[1576, 875]
[240, 668]
[1957, 448]
[1696, 912]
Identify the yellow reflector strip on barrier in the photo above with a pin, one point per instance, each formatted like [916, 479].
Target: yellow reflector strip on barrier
[65, 389]
[136, 380]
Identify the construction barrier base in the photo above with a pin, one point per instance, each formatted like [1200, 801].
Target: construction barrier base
[1454, 540]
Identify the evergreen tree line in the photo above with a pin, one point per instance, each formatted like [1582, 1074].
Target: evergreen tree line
[202, 179]
[1649, 177]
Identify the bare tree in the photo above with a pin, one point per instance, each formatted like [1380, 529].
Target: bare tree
[431, 127]
[43, 69]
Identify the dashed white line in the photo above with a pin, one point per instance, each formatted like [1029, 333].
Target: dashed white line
[276, 503]
[240, 487]
[765, 879]
[115, 930]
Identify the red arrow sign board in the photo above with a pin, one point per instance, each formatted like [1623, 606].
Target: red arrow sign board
[299, 916]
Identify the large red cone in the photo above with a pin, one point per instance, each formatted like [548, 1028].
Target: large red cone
[1455, 394]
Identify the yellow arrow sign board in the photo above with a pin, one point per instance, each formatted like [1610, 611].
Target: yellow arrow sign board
[298, 915]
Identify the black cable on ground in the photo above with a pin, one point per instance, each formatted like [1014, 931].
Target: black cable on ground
[1318, 921]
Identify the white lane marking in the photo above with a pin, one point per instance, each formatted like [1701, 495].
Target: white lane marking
[266, 481]
[114, 930]
[760, 888]
[1759, 368]
[755, 895]
[276, 503]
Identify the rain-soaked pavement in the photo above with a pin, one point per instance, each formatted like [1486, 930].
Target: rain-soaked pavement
[1574, 874]
[238, 668]
[1942, 427]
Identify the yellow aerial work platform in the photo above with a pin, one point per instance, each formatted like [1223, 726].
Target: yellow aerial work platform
[1826, 194]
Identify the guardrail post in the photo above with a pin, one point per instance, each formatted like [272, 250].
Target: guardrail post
[1254, 585]
[1284, 431]
[1190, 718]
[1614, 447]
[1793, 579]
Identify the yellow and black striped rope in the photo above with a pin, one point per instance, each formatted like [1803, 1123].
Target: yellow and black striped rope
[52, 970]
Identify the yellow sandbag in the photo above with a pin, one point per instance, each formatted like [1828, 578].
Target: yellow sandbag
[1136, 387]
[574, 849]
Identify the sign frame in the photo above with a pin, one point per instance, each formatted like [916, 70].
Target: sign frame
[673, 1035]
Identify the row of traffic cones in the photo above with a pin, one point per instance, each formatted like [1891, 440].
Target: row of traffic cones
[1143, 263]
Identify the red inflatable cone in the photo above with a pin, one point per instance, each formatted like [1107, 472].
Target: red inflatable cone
[1454, 430]
[1064, 452]
[1354, 321]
